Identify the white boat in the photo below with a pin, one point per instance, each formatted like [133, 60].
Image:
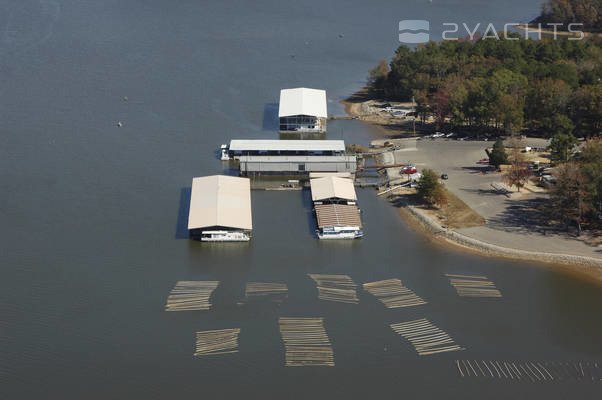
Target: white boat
[224, 236]
[224, 153]
[340, 232]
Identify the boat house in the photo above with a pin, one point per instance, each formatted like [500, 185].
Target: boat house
[302, 110]
[332, 190]
[334, 201]
[220, 209]
[291, 157]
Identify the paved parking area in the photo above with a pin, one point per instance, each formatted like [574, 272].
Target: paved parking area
[509, 222]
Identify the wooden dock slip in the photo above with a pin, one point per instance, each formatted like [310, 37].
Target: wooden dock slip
[425, 337]
[339, 288]
[272, 291]
[393, 294]
[530, 371]
[473, 286]
[221, 341]
[306, 342]
[191, 295]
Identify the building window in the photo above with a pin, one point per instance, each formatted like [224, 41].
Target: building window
[301, 167]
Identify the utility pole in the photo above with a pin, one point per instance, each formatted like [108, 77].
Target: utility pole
[415, 115]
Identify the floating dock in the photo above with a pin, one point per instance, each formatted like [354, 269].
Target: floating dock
[426, 338]
[393, 294]
[191, 296]
[306, 342]
[473, 286]
[337, 288]
[222, 341]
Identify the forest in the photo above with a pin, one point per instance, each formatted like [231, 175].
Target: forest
[508, 85]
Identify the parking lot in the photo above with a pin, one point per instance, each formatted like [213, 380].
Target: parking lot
[510, 222]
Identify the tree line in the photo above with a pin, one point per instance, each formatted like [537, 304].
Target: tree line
[546, 87]
[586, 12]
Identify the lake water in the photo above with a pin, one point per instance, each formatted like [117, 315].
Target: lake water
[91, 214]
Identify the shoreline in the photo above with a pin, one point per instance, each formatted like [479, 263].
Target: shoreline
[535, 29]
[583, 266]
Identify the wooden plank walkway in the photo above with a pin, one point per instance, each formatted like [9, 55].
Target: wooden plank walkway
[425, 337]
[306, 342]
[530, 371]
[221, 341]
[473, 286]
[393, 294]
[191, 295]
[339, 288]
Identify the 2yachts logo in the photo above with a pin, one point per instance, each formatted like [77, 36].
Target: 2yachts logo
[414, 26]
[417, 31]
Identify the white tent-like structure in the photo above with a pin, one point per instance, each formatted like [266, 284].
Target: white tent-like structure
[220, 203]
[302, 110]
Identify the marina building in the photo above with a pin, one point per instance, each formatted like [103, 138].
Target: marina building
[334, 201]
[302, 110]
[291, 157]
[220, 209]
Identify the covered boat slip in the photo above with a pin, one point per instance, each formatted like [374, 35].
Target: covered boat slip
[239, 147]
[220, 208]
[296, 165]
[302, 110]
[332, 189]
[338, 215]
[334, 200]
[338, 221]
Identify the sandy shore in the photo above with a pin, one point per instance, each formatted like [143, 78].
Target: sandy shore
[362, 106]
[535, 29]
[584, 267]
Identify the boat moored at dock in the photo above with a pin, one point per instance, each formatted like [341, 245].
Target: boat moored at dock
[224, 236]
[340, 232]
[220, 209]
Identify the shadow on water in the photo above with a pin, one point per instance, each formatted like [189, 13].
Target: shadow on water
[270, 117]
[308, 207]
[182, 221]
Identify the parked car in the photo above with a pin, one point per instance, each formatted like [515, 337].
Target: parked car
[438, 134]
[444, 176]
[388, 144]
[408, 169]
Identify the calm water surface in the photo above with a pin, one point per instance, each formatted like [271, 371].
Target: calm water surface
[91, 215]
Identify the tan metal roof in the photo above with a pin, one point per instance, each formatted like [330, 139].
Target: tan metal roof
[338, 215]
[332, 186]
[220, 200]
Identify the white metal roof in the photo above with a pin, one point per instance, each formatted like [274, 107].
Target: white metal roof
[332, 186]
[302, 101]
[287, 145]
[283, 159]
[220, 200]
